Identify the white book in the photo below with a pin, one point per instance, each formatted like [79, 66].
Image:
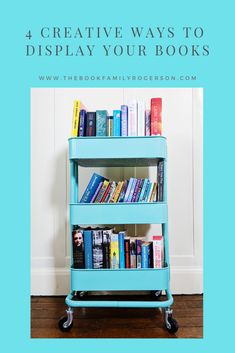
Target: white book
[158, 251]
[132, 119]
[141, 118]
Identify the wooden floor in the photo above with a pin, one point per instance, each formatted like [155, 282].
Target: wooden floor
[116, 322]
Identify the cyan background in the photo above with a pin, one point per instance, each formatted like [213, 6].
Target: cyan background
[215, 74]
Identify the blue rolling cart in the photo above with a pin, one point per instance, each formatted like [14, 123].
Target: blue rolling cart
[118, 152]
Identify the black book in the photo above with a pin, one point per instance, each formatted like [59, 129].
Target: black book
[91, 124]
[97, 248]
[106, 246]
[78, 248]
[160, 177]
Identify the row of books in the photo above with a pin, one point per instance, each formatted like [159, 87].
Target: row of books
[129, 120]
[102, 190]
[103, 248]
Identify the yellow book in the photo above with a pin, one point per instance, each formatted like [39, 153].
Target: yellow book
[114, 251]
[117, 191]
[76, 112]
[153, 194]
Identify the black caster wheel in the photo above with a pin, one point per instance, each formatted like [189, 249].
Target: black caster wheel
[82, 294]
[156, 294]
[63, 326]
[172, 325]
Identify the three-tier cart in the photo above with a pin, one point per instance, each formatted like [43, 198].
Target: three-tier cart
[118, 152]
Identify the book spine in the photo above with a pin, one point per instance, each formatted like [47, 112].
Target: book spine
[124, 120]
[128, 189]
[132, 190]
[141, 118]
[123, 191]
[160, 180]
[127, 253]
[156, 116]
[133, 253]
[138, 253]
[117, 192]
[82, 123]
[153, 194]
[158, 251]
[112, 186]
[121, 236]
[87, 234]
[97, 249]
[139, 190]
[150, 192]
[114, 252]
[75, 123]
[78, 248]
[105, 194]
[132, 119]
[116, 123]
[136, 190]
[106, 247]
[91, 188]
[96, 192]
[145, 255]
[146, 191]
[110, 126]
[91, 124]
[143, 190]
[102, 191]
[147, 123]
[111, 191]
[101, 123]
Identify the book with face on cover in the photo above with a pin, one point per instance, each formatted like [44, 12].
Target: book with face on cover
[78, 248]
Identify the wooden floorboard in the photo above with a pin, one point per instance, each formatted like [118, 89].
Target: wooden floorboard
[116, 322]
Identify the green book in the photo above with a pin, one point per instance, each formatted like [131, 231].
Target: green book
[101, 123]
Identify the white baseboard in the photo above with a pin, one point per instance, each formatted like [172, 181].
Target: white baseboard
[55, 281]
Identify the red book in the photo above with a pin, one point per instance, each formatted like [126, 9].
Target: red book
[105, 194]
[127, 253]
[156, 117]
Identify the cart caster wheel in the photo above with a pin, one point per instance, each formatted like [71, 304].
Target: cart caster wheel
[156, 294]
[64, 325]
[172, 325]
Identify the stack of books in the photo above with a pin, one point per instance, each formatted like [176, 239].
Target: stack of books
[98, 248]
[102, 190]
[130, 120]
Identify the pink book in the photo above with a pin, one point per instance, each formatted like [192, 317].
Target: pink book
[158, 251]
[156, 116]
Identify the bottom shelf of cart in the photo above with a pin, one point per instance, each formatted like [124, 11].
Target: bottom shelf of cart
[121, 279]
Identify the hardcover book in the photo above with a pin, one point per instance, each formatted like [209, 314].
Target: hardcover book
[133, 252]
[128, 189]
[75, 122]
[114, 251]
[110, 126]
[158, 251]
[91, 124]
[121, 236]
[87, 236]
[160, 181]
[96, 192]
[107, 232]
[124, 120]
[97, 249]
[102, 191]
[156, 116]
[78, 248]
[129, 199]
[132, 119]
[91, 188]
[145, 183]
[145, 255]
[101, 123]
[138, 252]
[117, 192]
[82, 123]
[141, 118]
[116, 123]
[123, 191]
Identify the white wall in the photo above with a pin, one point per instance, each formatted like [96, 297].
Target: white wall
[51, 116]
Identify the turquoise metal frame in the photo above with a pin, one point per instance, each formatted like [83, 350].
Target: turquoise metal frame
[118, 151]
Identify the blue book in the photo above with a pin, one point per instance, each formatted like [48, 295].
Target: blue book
[146, 190]
[128, 189]
[90, 124]
[121, 236]
[147, 193]
[82, 123]
[91, 188]
[101, 123]
[132, 190]
[124, 120]
[145, 254]
[117, 123]
[143, 190]
[87, 235]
